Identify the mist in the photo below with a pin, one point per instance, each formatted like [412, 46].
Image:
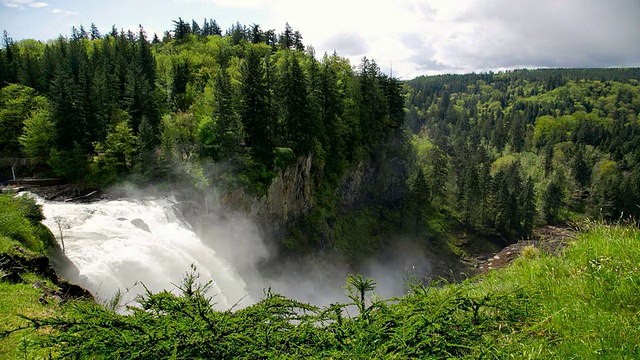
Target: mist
[113, 253]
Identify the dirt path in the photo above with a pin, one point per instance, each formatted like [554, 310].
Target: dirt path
[549, 239]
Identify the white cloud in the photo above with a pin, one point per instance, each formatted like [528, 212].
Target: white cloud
[339, 25]
[436, 36]
[20, 4]
[56, 11]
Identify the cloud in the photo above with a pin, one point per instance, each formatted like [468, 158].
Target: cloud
[349, 43]
[56, 11]
[493, 34]
[20, 4]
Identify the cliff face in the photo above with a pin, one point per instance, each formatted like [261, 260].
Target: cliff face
[292, 194]
[381, 181]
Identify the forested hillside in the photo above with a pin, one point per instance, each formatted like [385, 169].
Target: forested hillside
[250, 97]
[507, 151]
[199, 107]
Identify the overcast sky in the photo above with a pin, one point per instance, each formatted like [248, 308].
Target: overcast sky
[416, 37]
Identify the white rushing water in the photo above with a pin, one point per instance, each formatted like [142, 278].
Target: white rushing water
[112, 253]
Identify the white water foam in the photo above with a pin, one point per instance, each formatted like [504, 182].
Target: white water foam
[111, 253]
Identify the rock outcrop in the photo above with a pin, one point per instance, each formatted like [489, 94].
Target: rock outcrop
[19, 262]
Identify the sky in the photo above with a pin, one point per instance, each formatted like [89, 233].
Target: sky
[406, 37]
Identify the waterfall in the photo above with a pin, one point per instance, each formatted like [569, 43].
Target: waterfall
[115, 244]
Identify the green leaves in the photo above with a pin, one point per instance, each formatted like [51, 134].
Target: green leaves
[17, 104]
[37, 136]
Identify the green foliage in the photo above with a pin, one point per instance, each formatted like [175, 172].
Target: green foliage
[575, 136]
[73, 165]
[17, 102]
[283, 157]
[20, 220]
[178, 136]
[37, 137]
[115, 155]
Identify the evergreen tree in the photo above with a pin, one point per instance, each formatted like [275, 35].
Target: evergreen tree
[146, 142]
[10, 59]
[517, 133]
[67, 113]
[528, 208]
[228, 131]
[181, 71]
[296, 118]
[420, 199]
[373, 115]
[255, 111]
[438, 175]
[215, 28]
[94, 32]
[195, 28]
[181, 30]
[553, 200]
[286, 39]
[392, 89]
[256, 36]
[581, 170]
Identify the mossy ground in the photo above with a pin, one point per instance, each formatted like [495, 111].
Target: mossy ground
[17, 300]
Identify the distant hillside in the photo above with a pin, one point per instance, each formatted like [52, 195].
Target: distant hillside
[509, 150]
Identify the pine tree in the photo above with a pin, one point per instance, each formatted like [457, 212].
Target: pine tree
[181, 30]
[228, 131]
[373, 116]
[66, 112]
[215, 28]
[528, 208]
[10, 59]
[256, 36]
[146, 142]
[553, 199]
[181, 70]
[296, 118]
[438, 175]
[420, 199]
[255, 111]
[94, 32]
[286, 39]
[195, 28]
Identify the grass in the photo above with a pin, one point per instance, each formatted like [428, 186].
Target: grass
[17, 300]
[20, 228]
[589, 303]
